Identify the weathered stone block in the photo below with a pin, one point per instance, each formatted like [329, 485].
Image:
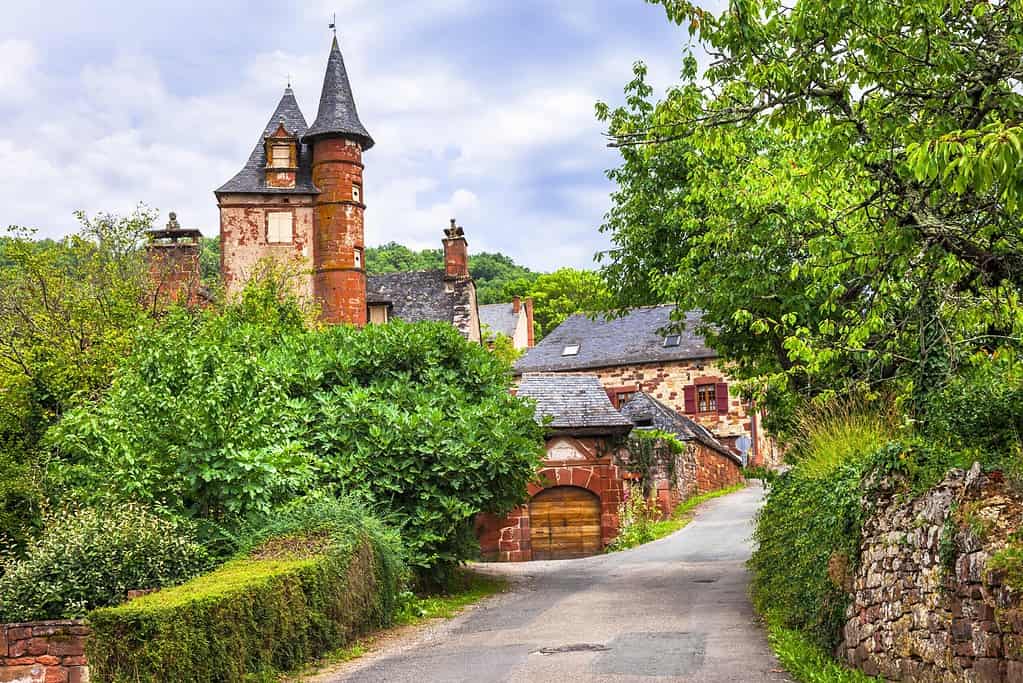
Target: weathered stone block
[21, 674]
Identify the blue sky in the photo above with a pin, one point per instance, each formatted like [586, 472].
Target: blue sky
[481, 110]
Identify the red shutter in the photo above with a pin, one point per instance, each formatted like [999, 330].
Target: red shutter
[690, 398]
[721, 394]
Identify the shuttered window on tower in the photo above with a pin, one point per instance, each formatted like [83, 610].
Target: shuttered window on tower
[279, 227]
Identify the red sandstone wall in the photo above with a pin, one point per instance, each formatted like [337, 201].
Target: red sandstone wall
[507, 539]
[666, 382]
[715, 470]
[44, 652]
[243, 241]
[174, 273]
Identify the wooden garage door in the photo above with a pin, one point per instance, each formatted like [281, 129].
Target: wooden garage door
[564, 523]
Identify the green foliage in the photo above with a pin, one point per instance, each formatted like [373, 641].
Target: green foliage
[462, 588]
[249, 617]
[1010, 561]
[209, 261]
[89, 558]
[764, 474]
[806, 660]
[231, 415]
[396, 258]
[69, 311]
[828, 435]
[21, 502]
[564, 292]
[806, 521]
[636, 518]
[979, 410]
[837, 192]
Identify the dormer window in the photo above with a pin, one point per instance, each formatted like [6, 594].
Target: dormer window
[570, 350]
[281, 156]
[672, 340]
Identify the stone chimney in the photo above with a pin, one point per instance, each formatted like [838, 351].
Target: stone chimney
[456, 253]
[173, 259]
[530, 342]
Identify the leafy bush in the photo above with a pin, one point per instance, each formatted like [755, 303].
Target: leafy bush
[805, 522]
[250, 616]
[979, 411]
[231, 415]
[88, 558]
[20, 507]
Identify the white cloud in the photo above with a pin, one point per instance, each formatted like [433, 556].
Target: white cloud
[514, 154]
[17, 70]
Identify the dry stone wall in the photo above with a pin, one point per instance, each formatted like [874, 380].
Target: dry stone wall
[925, 605]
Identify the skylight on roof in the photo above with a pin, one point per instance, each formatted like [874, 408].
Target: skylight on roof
[570, 350]
[672, 340]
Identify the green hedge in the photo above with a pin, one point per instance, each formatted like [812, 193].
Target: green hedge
[250, 616]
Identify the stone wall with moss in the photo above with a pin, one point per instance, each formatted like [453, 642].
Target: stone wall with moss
[937, 595]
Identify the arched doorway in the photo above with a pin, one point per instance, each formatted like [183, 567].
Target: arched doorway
[564, 523]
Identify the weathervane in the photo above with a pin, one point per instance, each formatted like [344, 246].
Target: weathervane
[333, 24]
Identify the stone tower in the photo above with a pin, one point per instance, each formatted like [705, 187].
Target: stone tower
[338, 140]
[298, 201]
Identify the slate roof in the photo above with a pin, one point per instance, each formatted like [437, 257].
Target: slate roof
[252, 177]
[643, 408]
[337, 114]
[422, 296]
[637, 337]
[500, 318]
[576, 403]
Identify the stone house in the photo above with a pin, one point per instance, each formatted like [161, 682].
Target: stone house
[573, 510]
[300, 201]
[706, 465]
[647, 351]
[514, 320]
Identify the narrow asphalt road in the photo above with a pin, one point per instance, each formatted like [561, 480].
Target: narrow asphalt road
[672, 610]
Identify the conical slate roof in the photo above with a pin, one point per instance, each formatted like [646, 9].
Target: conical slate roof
[252, 177]
[337, 114]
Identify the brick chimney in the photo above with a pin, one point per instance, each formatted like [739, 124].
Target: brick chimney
[530, 342]
[516, 305]
[456, 252]
[173, 259]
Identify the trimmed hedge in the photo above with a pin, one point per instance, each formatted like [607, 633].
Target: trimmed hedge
[250, 616]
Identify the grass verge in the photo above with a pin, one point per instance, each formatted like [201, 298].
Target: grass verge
[680, 517]
[466, 588]
[807, 662]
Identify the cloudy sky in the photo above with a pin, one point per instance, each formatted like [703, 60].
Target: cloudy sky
[481, 110]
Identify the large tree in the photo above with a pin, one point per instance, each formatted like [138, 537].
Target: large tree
[838, 191]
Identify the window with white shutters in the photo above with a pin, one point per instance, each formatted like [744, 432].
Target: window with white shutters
[278, 227]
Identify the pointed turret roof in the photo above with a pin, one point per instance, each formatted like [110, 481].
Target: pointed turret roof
[252, 177]
[337, 114]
